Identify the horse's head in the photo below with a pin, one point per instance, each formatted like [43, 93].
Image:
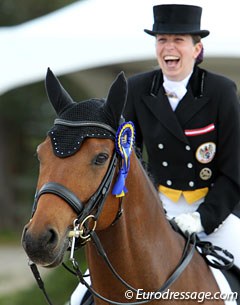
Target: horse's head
[77, 162]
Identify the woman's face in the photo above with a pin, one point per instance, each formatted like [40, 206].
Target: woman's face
[176, 55]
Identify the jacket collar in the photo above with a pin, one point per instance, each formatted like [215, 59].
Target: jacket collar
[191, 103]
[196, 82]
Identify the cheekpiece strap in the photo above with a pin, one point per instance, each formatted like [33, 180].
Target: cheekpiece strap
[124, 142]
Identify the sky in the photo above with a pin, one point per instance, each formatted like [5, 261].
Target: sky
[93, 33]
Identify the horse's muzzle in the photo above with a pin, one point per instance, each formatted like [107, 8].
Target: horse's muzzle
[44, 248]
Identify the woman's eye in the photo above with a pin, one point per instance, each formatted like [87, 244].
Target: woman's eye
[101, 159]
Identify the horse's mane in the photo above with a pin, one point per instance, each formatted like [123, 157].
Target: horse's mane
[145, 165]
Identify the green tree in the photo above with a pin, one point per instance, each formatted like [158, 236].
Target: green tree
[25, 117]
[13, 12]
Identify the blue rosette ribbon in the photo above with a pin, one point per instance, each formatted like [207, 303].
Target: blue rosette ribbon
[124, 142]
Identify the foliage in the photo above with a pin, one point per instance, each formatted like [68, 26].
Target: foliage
[9, 237]
[59, 285]
[13, 12]
[25, 117]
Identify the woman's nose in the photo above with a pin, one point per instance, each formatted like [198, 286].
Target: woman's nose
[169, 45]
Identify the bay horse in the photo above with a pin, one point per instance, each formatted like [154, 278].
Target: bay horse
[79, 167]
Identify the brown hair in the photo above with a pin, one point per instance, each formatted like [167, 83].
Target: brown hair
[196, 39]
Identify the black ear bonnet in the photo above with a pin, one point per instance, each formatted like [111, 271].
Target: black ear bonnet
[66, 134]
[66, 140]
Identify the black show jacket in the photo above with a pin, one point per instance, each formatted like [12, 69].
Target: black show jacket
[211, 100]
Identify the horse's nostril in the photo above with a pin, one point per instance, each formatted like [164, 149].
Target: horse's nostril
[42, 247]
[52, 237]
[46, 240]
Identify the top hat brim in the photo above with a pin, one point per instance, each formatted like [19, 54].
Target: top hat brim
[201, 33]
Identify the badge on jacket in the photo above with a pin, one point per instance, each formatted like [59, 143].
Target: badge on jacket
[205, 173]
[206, 152]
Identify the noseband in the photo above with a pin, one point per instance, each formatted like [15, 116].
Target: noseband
[95, 203]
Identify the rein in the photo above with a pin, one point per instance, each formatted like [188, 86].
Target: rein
[188, 252]
[91, 210]
[185, 260]
[187, 255]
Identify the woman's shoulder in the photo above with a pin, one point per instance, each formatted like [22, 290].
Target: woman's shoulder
[220, 87]
[218, 78]
[143, 77]
[143, 83]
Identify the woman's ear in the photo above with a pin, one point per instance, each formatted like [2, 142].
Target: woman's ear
[199, 53]
[198, 49]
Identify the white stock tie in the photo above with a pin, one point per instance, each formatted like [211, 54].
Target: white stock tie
[175, 91]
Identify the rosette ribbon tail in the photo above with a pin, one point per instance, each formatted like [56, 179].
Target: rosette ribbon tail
[124, 145]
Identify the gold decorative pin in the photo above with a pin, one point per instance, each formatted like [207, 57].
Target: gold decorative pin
[171, 95]
[205, 173]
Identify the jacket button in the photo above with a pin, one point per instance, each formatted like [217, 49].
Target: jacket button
[189, 165]
[191, 183]
[169, 182]
[187, 147]
[165, 164]
[160, 146]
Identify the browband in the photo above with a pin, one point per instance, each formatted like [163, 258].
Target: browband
[84, 124]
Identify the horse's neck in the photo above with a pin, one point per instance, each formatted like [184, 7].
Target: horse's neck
[143, 248]
[145, 220]
[137, 244]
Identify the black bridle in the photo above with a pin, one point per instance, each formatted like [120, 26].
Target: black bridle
[97, 200]
[92, 208]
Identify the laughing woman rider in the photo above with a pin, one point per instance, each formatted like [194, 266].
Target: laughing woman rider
[189, 120]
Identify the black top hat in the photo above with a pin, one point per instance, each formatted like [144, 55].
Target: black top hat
[177, 19]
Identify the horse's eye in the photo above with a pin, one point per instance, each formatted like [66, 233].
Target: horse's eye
[101, 159]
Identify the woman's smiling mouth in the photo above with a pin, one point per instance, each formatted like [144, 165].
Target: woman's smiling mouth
[171, 60]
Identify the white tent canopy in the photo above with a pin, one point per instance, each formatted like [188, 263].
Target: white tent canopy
[94, 33]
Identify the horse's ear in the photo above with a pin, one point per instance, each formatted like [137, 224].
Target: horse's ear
[117, 97]
[57, 95]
